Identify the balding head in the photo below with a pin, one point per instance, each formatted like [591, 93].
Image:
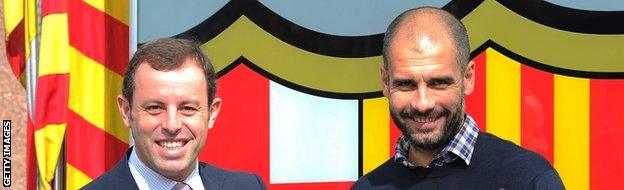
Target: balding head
[433, 24]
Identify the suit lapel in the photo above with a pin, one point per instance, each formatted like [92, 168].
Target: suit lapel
[210, 179]
[121, 176]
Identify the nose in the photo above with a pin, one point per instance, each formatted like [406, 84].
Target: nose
[423, 101]
[172, 123]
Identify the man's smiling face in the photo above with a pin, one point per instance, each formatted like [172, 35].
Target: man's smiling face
[425, 88]
[170, 116]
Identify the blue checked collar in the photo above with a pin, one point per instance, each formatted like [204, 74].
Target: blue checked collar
[461, 146]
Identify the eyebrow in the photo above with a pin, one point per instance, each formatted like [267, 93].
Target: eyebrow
[442, 80]
[399, 81]
[192, 102]
[157, 102]
[150, 102]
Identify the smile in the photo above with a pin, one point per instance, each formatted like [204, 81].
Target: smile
[425, 119]
[171, 144]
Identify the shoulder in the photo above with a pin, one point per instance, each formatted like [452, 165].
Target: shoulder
[500, 157]
[230, 179]
[490, 147]
[117, 178]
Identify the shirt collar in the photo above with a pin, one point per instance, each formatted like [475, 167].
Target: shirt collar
[146, 178]
[461, 146]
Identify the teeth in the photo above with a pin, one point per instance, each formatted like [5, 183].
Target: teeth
[424, 119]
[171, 144]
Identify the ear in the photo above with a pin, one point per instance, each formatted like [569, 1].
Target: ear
[124, 109]
[384, 81]
[215, 107]
[469, 78]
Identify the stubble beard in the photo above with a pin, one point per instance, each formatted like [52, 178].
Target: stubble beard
[451, 127]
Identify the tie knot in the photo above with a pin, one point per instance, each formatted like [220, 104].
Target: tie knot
[181, 186]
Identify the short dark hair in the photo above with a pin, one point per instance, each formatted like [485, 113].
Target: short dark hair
[167, 54]
[456, 28]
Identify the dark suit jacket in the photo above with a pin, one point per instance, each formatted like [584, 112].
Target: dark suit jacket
[212, 177]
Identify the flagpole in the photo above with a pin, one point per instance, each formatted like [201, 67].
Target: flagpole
[59, 174]
[133, 43]
[32, 66]
[133, 27]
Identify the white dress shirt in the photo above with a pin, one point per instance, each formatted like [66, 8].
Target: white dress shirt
[148, 179]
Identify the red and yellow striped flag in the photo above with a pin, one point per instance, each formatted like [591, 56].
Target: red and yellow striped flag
[20, 30]
[99, 47]
[14, 35]
[20, 24]
[82, 57]
[52, 89]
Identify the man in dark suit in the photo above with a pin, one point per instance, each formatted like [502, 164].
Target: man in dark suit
[168, 101]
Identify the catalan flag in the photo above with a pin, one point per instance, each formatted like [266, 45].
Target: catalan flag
[98, 44]
[52, 89]
[82, 55]
[20, 30]
[20, 23]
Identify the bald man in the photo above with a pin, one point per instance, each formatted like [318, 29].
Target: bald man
[425, 75]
